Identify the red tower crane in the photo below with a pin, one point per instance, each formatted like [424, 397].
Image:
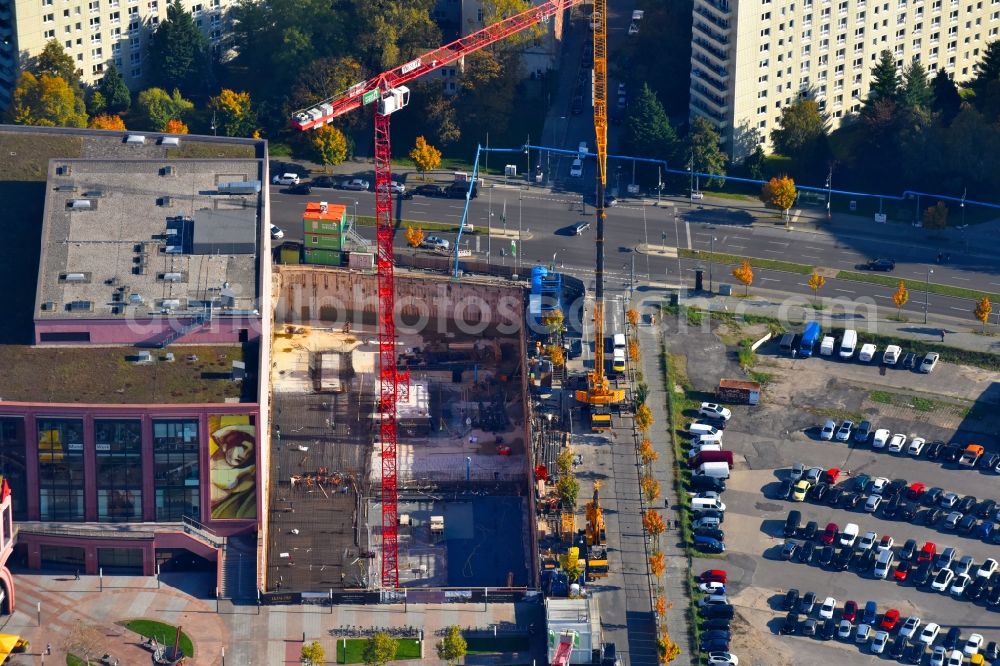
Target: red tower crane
[390, 95]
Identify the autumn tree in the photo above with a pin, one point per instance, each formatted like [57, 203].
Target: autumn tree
[570, 563]
[900, 297]
[452, 646]
[632, 317]
[660, 605]
[156, 107]
[312, 654]
[425, 156]
[633, 351]
[554, 321]
[653, 523]
[983, 310]
[643, 418]
[936, 216]
[54, 61]
[568, 489]
[647, 454]
[379, 650]
[564, 461]
[556, 355]
[330, 145]
[178, 52]
[816, 282]
[650, 488]
[744, 273]
[658, 564]
[414, 235]
[667, 649]
[47, 101]
[107, 122]
[235, 113]
[779, 192]
[175, 126]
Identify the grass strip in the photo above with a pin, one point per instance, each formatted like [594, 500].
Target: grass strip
[349, 650]
[942, 289]
[163, 633]
[736, 260]
[369, 221]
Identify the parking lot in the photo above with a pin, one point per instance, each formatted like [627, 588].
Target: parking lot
[952, 404]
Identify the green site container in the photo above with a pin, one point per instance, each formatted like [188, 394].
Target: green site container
[324, 257]
[324, 241]
[323, 226]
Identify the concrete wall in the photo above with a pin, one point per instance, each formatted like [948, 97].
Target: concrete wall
[310, 294]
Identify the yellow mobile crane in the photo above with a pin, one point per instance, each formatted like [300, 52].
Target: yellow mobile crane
[595, 540]
[599, 394]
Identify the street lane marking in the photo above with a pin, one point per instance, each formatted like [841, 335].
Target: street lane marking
[774, 251]
[955, 277]
[818, 249]
[846, 291]
[959, 309]
[737, 247]
[771, 279]
[687, 229]
[810, 256]
[781, 243]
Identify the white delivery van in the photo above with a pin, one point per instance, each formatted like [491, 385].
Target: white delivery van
[707, 504]
[848, 343]
[702, 429]
[719, 470]
[619, 340]
[867, 353]
[701, 447]
[708, 438]
[826, 347]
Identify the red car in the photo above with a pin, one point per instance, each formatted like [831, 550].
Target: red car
[829, 534]
[927, 552]
[850, 611]
[916, 490]
[889, 620]
[902, 571]
[713, 576]
[831, 475]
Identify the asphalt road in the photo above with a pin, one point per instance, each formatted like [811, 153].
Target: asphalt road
[546, 218]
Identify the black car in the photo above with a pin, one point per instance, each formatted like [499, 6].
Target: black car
[906, 511]
[842, 560]
[711, 533]
[881, 264]
[301, 188]
[985, 508]
[951, 453]
[791, 600]
[430, 191]
[895, 487]
[717, 623]
[792, 523]
[977, 589]
[932, 496]
[720, 515]
[890, 506]
[992, 651]
[699, 482]
[863, 432]
[933, 517]
[718, 645]
[914, 653]
[989, 462]
[716, 635]
[818, 492]
[909, 361]
[866, 562]
[824, 556]
[827, 630]
[908, 550]
[806, 551]
[325, 181]
[951, 639]
[807, 602]
[808, 532]
[966, 525]
[922, 574]
[933, 450]
[717, 611]
[898, 648]
[834, 497]
[791, 623]
[966, 504]
[852, 500]
[459, 190]
[993, 598]
[788, 550]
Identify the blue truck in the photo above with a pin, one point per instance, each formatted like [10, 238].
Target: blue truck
[810, 337]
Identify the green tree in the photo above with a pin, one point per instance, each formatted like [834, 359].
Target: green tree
[312, 654]
[489, 90]
[915, 91]
[97, 104]
[178, 52]
[987, 70]
[330, 145]
[47, 101]
[442, 115]
[497, 10]
[379, 650]
[647, 129]
[156, 108]
[885, 79]
[324, 78]
[116, 94]
[801, 129]
[54, 61]
[947, 101]
[703, 150]
[452, 647]
[236, 115]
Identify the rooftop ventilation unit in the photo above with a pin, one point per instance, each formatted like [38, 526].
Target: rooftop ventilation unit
[240, 187]
[80, 204]
[174, 249]
[165, 202]
[74, 277]
[170, 303]
[169, 170]
[135, 299]
[135, 140]
[48, 306]
[80, 306]
[66, 188]
[64, 170]
[173, 277]
[170, 141]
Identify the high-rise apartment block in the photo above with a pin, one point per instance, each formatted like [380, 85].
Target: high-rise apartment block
[749, 58]
[94, 33]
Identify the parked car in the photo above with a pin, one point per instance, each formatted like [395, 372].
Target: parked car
[791, 623]
[942, 580]
[910, 627]
[828, 429]
[286, 179]
[807, 603]
[714, 411]
[844, 431]
[850, 611]
[844, 630]
[708, 544]
[849, 535]
[276, 233]
[863, 432]
[863, 634]
[889, 620]
[951, 640]
[902, 571]
[713, 575]
[879, 641]
[323, 181]
[576, 169]
[881, 438]
[355, 184]
[929, 633]
[827, 609]
[908, 550]
[435, 243]
[788, 550]
[909, 361]
[791, 599]
[916, 446]
[829, 534]
[872, 503]
[299, 188]
[929, 362]
[897, 443]
[430, 191]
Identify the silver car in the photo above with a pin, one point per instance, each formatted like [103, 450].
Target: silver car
[929, 362]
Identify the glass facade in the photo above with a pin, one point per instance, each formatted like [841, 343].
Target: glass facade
[12, 463]
[118, 444]
[60, 469]
[176, 469]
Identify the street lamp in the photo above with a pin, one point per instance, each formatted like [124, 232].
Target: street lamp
[829, 183]
[927, 288]
[711, 263]
[355, 215]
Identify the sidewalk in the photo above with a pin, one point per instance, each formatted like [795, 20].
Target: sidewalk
[676, 588]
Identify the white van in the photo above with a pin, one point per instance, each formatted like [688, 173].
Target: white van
[700, 447]
[867, 353]
[619, 340]
[719, 470]
[707, 504]
[848, 344]
[826, 347]
[702, 429]
[883, 563]
[708, 438]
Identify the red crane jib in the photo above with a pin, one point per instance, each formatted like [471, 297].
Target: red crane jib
[353, 98]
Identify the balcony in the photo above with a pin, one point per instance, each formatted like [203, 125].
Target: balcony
[702, 75]
[719, 5]
[718, 115]
[706, 30]
[713, 68]
[717, 100]
[719, 22]
[708, 47]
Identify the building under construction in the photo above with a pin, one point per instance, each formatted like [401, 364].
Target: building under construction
[463, 469]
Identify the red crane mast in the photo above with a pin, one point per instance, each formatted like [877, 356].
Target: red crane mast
[388, 91]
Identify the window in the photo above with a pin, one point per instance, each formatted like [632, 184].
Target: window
[48, 18]
[50, 34]
[762, 79]
[216, 19]
[60, 467]
[96, 53]
[133, 12]
[12, 463]
[94, 6]
[95, 23]
[134, 58]
[136, 71]
[761, 110]
[95, 39]
[196, 9]
[118, 444]
[766, 16]
[763, 33]
[116, 18]
[176, 469]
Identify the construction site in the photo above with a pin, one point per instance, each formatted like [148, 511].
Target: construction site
[462, 471]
